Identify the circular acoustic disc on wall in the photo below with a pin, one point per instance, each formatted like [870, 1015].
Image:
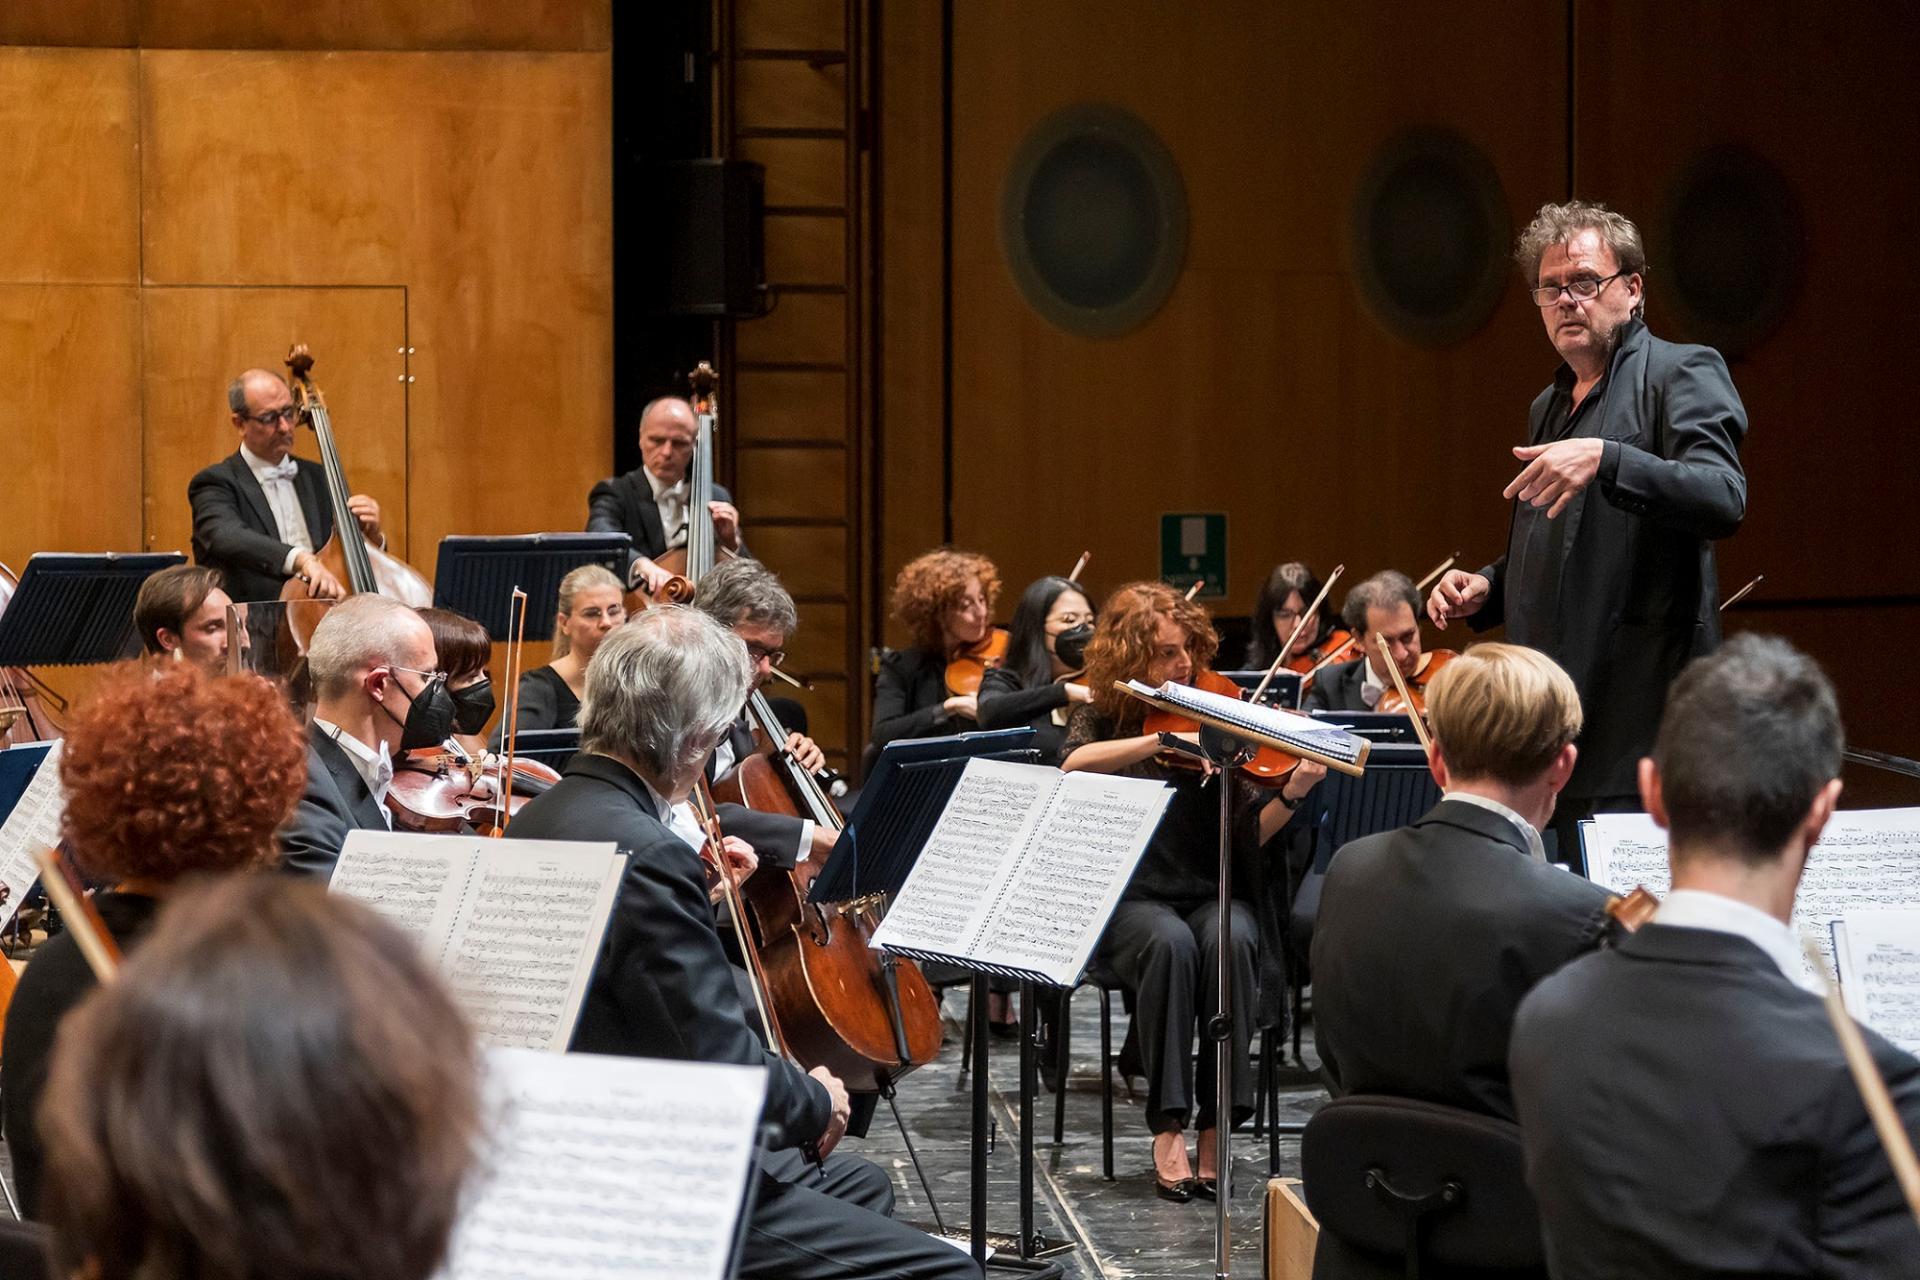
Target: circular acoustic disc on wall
[1093, 220]
[1430, 236]
[1730, 250]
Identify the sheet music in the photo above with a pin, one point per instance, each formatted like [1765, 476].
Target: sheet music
[1865, 858]
[514, 926]
[1289, 727]
[33, 824]
[601, 1167]
[1023, 868]
[1879, 954]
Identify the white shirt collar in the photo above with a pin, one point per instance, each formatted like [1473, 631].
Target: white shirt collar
[661, 488]
[259, 465]
[1699, 909]
[1535, 847]
[374, 767]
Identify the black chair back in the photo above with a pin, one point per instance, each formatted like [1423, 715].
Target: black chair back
[1409, 1188]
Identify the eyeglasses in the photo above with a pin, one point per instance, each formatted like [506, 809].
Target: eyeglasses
[1580, 289]
[274, 417]
[429, 676]
[772, 657]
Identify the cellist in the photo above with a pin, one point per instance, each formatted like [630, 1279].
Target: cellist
[260, 514]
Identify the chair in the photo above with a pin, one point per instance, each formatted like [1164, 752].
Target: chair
[1404, 1188]
[23, 1251]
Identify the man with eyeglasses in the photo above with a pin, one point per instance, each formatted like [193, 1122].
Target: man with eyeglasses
[260, 514]
[1631, 472]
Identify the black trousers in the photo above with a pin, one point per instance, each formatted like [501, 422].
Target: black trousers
[809, 1227]
[1166, 956]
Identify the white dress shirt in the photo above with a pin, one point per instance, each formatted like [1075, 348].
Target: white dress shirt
[1698, 909]
[1372, 687]
[374, 767]
[672, 501]
[1535, 847]
[276, 481]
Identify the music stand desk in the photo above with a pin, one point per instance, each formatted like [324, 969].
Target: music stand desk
[76, 610]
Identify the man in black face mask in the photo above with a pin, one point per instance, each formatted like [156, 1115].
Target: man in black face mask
[379, 694]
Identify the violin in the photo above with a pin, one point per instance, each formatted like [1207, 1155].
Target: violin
[29, 708]
[1269, 767]
[1338, 645]
[969, 667]
[444, 789]
[690, 562]
[1432, 662]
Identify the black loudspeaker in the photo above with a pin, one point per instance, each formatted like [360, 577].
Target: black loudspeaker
[715, 261]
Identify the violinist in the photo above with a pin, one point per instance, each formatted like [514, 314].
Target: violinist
[259, 515]
[1384, 605]
[379, 694]
[1034, 685]
[945, 598]
[1685, 1105]
[170, 773]
[1428, 937]
[661, 694]
[181, 614]
[590, 606]
[322, 1107]
[464, 649]
[1161, 940]
[649, 503]
[1283, 598]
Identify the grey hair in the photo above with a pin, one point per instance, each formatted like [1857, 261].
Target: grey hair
[663, 689]
[1559, 223]
[1382, 591]
[744, 590]
[362, 630]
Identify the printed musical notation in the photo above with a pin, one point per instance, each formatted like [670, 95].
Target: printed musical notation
[33, 824]
[599, 1168]
[1879, 953]
[514, 926]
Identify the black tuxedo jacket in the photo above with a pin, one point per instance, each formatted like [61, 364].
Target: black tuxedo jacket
[1426, 941]
[1687, 1112]
[663, 987]
[624, 504]
[335, 802]
[1634, 594]
[1338, 688]
[234, 529]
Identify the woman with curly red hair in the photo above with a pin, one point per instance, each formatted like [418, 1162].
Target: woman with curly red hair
[169, 773]
[945, 598]
[1161, 939]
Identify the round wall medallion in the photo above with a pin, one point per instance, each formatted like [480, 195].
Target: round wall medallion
[1430, 236]
[1730, 249]
[1093, 220]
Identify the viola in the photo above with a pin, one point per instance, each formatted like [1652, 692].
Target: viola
[1269, 767]
[1431, 664]
[1632, 910]
[29, 708]
[969, 667]
[1337, 647]
[442, 789]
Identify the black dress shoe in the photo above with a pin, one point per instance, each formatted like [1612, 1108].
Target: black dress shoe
[1179, 1192]
[1206, 1188]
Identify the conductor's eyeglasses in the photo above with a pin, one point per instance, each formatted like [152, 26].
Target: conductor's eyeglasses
[1580, 289]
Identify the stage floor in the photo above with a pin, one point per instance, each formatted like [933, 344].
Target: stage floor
[1120, 1228]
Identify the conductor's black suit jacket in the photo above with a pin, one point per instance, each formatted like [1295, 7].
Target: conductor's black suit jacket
[1632, 594]
[624, 504]
[662, 988]
[234, 530]
[1687, 1112]
[335, 802]
[1427, 939]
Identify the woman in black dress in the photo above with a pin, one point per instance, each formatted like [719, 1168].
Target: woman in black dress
[945, 598]
[1287, 592]
[590, 607]
[1033, 685]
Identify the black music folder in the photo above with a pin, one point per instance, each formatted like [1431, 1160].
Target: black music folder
[73, 610]
[476, 576]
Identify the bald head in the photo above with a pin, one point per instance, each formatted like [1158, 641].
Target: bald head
[666, 438]
[262, 410]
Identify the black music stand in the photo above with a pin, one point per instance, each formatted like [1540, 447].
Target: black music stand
[899, 806]
[1374, 726]
[476, 576]
[73, 610]
[1282, 691]
[551, 747]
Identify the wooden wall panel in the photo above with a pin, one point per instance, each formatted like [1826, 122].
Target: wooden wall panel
[69, 168]
[791, 24]
[378, 24]
[801, 326]
[1263, 388]
[502, 240]
[195, 340]
[792, 482]
[70, 414]
[799, 405]
[108, 23]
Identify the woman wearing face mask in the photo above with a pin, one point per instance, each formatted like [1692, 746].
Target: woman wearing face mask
[465, 649]
[945, 598]
[1037, 685]
[589, 609]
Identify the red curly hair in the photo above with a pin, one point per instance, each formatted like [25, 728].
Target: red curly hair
[933, 583]
[170, 771]
[1126, 636]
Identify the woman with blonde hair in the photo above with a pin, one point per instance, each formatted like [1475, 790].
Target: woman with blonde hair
[591, 605]
[1162, 938]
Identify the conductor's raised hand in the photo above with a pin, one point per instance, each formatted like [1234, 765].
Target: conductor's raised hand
[1554, 473]
[1458, 594]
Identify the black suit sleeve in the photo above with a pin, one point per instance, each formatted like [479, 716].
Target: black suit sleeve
[1005, 705]
[1493, 610]
[1694, 483]
[775, 837]
[605, 515]
[311, 841]
[894, 712]
[663, 940]
[220, 532]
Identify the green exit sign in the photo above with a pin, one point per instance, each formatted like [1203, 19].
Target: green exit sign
[1193, 548]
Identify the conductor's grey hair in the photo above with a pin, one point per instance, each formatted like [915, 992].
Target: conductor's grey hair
[744, 590]
[364, 630]
[663, 689]
[1559, 223]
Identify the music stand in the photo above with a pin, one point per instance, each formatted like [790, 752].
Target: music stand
[476, 576]
[551, 747]
[1282, 691]
[1374, 726]
[73, 610]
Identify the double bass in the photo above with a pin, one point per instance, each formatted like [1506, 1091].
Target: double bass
[690, 562]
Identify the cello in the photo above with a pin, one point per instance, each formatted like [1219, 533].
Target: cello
[867, 1017]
